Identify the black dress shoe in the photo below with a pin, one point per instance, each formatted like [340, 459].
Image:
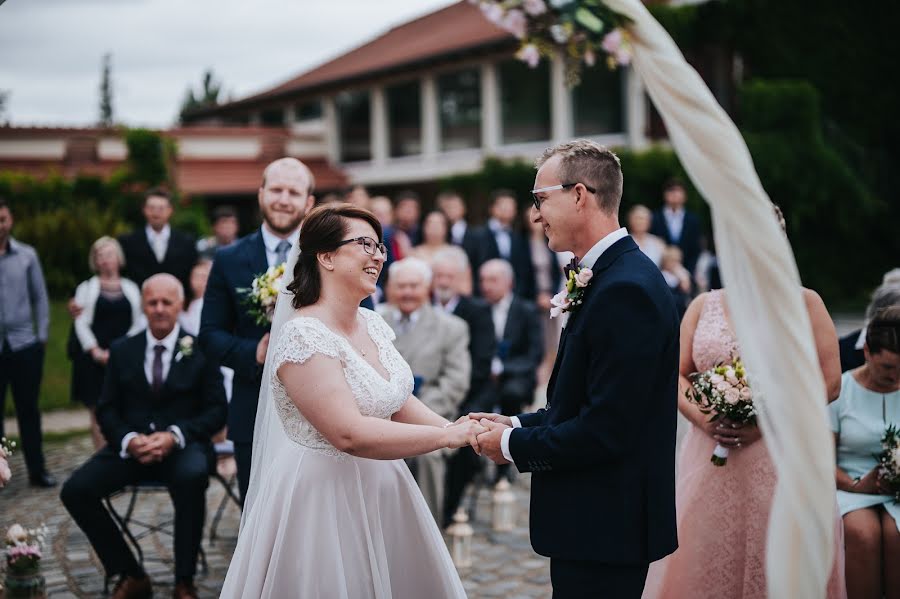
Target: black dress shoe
[44, 480]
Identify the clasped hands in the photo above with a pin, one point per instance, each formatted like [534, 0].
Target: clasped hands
[482, 431]
[148, 449]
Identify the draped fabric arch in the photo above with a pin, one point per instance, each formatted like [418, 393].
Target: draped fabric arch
[766, 304]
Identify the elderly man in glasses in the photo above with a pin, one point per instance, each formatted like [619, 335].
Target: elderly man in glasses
[435, 344]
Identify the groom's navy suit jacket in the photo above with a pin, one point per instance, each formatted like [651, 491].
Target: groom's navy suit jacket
[603, 450]
[228, 334]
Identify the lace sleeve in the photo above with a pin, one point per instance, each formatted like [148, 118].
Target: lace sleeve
[300, 339]
[379, 324]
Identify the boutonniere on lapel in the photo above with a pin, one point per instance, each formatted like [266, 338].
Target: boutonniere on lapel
[185, 348]
[568, 300]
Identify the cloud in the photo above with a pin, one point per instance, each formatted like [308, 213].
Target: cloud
[52, 50]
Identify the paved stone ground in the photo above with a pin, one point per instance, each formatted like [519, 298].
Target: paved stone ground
[503, 563]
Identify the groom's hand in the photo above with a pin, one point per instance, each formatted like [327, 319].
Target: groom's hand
[498, 418]
[489, 441]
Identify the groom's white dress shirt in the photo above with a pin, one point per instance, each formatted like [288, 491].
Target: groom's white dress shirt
[589, 260]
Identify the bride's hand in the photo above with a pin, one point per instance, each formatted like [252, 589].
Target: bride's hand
[460, 434]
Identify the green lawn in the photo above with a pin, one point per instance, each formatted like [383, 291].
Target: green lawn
[57, 367]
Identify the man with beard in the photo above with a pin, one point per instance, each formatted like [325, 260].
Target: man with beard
[228, 333]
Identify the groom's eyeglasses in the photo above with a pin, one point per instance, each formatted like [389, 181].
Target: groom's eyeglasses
[369, 244]
[538, 201]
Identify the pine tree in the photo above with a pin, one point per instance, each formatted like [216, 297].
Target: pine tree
[209, 95]
[106, 107]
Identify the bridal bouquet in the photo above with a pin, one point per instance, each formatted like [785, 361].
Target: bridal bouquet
[724, 392]
[889, 460]
[260, 297]
[580, 29]
[6, 450]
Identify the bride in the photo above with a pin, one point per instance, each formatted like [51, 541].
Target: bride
[332, 509]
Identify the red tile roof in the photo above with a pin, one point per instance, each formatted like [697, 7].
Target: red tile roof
[457, 28]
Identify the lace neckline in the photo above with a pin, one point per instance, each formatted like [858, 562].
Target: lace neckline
[352, 350]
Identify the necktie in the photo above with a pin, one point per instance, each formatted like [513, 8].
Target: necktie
[158, 367]
[281, 252]
[404, 324]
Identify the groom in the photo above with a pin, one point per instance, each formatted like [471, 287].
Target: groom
[602, 451]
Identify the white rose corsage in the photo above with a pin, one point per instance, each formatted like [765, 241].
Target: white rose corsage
[185, 348]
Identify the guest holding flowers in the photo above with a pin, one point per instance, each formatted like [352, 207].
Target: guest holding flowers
[868, 405]
[111, 309]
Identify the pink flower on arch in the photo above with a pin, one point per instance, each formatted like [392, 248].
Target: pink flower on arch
[516, 23]
[534, 7]
[530, 54]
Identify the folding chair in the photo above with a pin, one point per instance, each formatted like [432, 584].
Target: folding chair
[228, 482]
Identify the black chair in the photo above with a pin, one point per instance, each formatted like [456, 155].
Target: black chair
[229, 484]
[126, 521]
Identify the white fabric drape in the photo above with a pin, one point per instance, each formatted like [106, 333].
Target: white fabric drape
[766, 306]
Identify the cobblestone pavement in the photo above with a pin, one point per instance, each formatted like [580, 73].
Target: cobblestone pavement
[503, 563]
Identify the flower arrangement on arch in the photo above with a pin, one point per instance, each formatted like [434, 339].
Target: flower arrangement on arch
[723, 392]
[581, 29]
[889, 461]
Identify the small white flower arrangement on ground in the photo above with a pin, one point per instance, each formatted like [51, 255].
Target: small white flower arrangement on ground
[262, 294]
[23, 560]
[889, 461]
[724, 392]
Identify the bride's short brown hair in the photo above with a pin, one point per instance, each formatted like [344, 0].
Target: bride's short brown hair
[322, 231]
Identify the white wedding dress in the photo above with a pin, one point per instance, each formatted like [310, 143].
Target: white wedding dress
[323, 523]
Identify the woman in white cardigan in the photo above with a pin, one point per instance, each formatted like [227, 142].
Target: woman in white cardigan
[111, 309]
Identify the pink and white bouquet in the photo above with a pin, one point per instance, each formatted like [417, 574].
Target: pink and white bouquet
[572, 295]
[724, 392]
[579, 29]
[262, 294]
[6, 450]
[889, 461]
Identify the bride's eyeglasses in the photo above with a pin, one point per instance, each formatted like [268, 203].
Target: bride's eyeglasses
[369, 244]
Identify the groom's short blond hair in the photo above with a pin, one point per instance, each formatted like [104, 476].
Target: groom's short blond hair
[584, 161]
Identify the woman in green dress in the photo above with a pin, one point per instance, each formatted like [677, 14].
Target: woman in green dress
[868, 404]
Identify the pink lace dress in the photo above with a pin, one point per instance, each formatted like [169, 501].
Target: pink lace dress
[723, 512]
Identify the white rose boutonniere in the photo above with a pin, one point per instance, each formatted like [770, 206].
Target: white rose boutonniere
[185, 348]
[577, 280]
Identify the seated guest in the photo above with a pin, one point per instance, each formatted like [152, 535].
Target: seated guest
[111, 308]
[869, 402]
[162, 401]
[435, 345]
[451, 277]
[851, 344]
[520, 340]
[225, 228]
[677, 277]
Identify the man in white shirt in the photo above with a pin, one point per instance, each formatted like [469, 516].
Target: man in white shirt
[162, 402]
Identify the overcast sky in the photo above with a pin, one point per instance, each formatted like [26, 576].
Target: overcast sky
[51, 50]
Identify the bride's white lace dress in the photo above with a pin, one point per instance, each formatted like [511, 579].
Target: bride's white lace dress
[328, 524]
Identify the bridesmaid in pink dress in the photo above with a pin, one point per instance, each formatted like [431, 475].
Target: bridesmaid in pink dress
[723, 512]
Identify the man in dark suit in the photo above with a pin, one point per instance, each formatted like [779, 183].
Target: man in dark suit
[449, 269]
[602, 451]
[676, 225]
[851, 344]
[500, 239]
[162, 402]
[228, 333]
[158, 247]
[460, 234]
[520, 341]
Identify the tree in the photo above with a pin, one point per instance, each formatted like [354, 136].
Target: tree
[209, 95]
[106, 107]
[4, 96]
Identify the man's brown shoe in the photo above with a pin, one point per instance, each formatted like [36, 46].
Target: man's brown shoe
[185, 590]
[130, 587]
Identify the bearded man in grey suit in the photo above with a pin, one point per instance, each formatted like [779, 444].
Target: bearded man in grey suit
[435, 345]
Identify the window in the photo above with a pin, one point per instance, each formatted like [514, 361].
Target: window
[524, 101]
[459, 97]
[597, 101]
[404, 118]
[354, 128]
[272, 117]
[308, 111]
